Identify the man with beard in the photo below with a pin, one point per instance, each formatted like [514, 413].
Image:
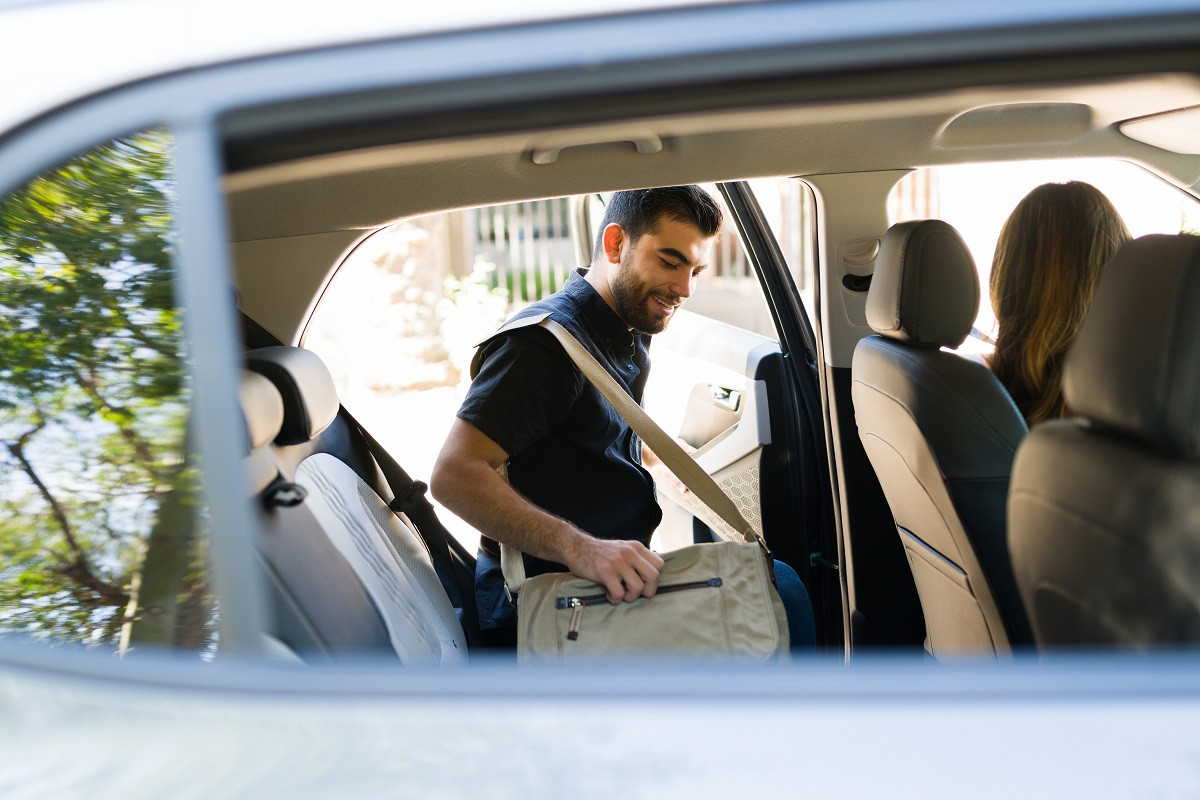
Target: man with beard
[577, 498]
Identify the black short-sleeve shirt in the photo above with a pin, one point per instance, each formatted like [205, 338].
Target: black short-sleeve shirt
[570, 453]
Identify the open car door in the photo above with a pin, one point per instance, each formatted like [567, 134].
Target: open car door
[734, 376]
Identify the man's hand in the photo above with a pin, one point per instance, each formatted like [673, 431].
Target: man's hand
[465, 481]
[626, 569]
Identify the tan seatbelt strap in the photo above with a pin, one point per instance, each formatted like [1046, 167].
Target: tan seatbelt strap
[730, 522]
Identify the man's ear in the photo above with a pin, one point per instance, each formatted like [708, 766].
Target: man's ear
[614, 240]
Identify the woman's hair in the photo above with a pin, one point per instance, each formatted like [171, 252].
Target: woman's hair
[1047, 263]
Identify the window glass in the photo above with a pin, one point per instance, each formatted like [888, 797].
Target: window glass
[100, 534]
[787, 204]
[977, 199]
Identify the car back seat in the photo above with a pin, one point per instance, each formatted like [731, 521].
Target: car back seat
[319, 608]
[320, 449]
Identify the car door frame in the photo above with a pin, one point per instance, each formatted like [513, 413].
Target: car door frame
[802, 488]
[767, 46]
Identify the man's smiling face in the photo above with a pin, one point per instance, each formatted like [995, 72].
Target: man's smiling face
[658, 272]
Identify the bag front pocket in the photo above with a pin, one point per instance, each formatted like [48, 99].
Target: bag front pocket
[738, 615]
[576, 603]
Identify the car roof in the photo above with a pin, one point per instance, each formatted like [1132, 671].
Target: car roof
[107, 43]
[828, 105]
[100, 44]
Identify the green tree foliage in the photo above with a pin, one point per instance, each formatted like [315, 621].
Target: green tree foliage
[96, 507]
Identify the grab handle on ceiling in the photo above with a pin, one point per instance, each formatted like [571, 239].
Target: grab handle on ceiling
[548, 152]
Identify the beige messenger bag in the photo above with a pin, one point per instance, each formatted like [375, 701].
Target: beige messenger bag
[714, 600]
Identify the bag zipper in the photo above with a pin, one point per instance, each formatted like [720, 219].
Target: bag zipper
[576, 603]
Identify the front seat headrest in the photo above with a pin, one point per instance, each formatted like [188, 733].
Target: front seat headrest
[310, 400]
[925, 289]
[1135, 366]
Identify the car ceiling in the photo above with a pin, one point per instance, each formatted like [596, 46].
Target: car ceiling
[365, 188]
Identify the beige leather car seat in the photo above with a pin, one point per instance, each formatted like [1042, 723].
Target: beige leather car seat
[941, 432]
[1104, 517]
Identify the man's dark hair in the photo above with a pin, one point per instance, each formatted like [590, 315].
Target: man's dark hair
[638, 211]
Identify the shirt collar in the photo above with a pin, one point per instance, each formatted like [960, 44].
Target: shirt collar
[597, 309]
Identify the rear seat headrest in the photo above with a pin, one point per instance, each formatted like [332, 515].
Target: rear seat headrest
[262, 411]
[925, 289]
[1135, 366]
[310, 400]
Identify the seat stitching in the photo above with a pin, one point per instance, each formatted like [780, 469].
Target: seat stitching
[389, 581]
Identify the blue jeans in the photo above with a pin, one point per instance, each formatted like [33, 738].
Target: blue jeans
[493, 602]
[802, 626]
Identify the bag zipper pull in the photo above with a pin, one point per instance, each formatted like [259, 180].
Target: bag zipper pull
[576, 617]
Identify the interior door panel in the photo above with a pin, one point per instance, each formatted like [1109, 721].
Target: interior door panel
[703, 389]
[751, 406]
[712, 413]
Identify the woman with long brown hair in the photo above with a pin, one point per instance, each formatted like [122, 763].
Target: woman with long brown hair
[1048, 260]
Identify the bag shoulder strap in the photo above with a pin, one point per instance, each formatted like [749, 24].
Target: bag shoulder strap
[512, 325]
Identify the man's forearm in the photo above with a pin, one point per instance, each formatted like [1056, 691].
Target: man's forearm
[465, 480]
[481, 497]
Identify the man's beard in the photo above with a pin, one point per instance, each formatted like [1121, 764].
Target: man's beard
[632, 300]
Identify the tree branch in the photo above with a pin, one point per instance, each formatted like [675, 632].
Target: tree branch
[78, 568]
[134, 331]
[140, 447]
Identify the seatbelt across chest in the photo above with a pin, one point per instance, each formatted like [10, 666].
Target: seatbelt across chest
[714, 506]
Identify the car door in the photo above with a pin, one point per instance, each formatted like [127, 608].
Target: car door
[82, 723]
[734, 377]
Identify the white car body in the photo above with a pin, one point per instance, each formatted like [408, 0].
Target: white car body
[79, 724]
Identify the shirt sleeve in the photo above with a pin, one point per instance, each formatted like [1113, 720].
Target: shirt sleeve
[525, 386]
